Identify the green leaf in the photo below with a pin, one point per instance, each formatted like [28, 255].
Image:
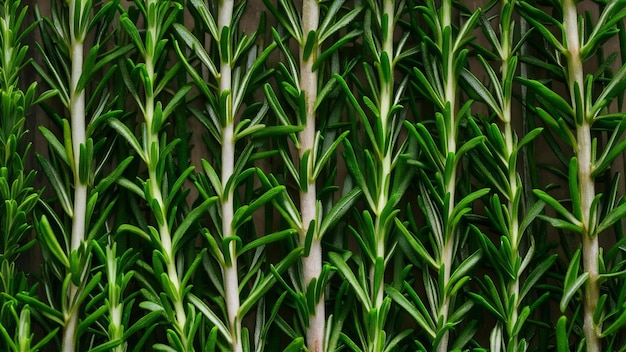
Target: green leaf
[479, 88]
[91, 319]
[463, 269]
[176, 99]
[267, 282]
[615, 87]
[55, 84]
[530, 136]
[573, 188]
[192, 268]
[489, 32]
[402, 301]
[549, 96]
[561, 224]
[224, 44]
[303, 174]
[385, 68]
[123, 130]
[308, 238]
[535, 275]
[262, 131]
[205, 15]
[112, 177]
[133, 33]
[57, 184]
[34, 303]
[572, 282]
[607, 157]
[321, 162]
[242, 214]
[339, 209]
[379, 272]
[85, 160]
[289, 18]
[535, 17]
[326, 29]
[50, 239]
[338, 261]
[309, 44]
[616, 325]
[55, 144]
[275, 104]
[194, 44]
[190, 219]
[267, 239]
[134, 230]
[296, 345]
[175, 188]
[326, 54]
[611, 218]
[416, 245]
[467, 146]
[562, 338]
[213, 177]
[558, 207]
[360, 111]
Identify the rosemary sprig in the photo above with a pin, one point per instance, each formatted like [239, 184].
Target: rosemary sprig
[161, 190]
[443, 198]
[75, 168]
[378, 165]
[497, 162]
[575, 122]
[236, 129]
[311, 96]
[18, 197]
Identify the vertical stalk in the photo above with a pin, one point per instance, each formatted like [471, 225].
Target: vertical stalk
[586, 182]
[17, 196]
[77, 118]
[378, 164]
[386, 101]
[116, 306]
[383, 155]
[311, 263]
[229, 272]
[450, 184]
[513, 203]
[152, 154]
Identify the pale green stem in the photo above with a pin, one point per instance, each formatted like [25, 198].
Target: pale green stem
[591, 251]
[7, 48]
[586, 182]
[116, 329]
[77, 114]
[386, 101]
[155, 188]
[312, 263]
[230, 271]
[450, 186]
[514, 187]
[71, 323]
[514, 235]
[77, 117]
[24, 330]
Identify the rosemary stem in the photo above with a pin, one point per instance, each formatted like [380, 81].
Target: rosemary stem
[77, 117]
[230, 271]
[586, 181]
[152, 143]
[312, 263]
[450, 184]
